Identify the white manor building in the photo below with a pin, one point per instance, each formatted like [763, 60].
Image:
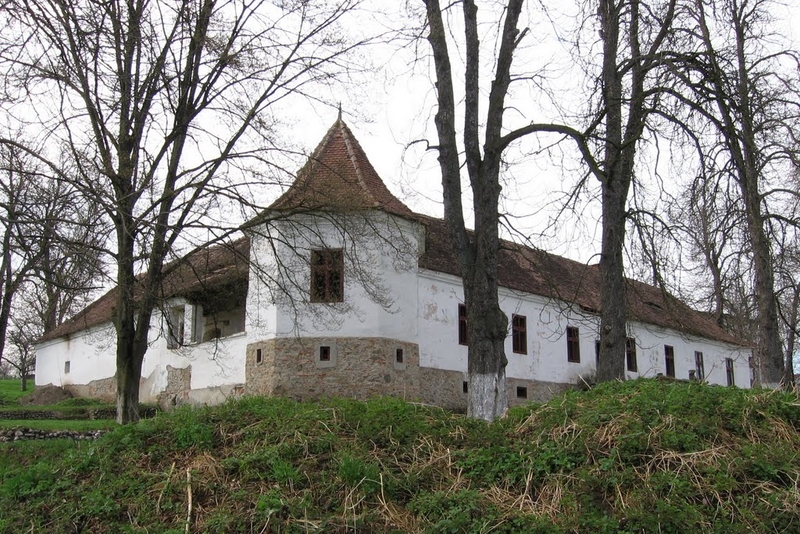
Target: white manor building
[339, 289]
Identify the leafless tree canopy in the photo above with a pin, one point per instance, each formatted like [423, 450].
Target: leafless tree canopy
[156, 104]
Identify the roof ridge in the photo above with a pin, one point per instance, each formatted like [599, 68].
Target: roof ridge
[339, 175]
[348, 142]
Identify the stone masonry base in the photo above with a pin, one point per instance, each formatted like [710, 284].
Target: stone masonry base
[311, 368]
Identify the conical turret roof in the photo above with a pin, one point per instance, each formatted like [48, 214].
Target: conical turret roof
[339, 176]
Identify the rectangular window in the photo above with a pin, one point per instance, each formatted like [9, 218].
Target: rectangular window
[198, 323]
[729, 372]
[630, 355]
[324, 354]
[519, 334]
[522, 392]
[462, 324]
[669, 359]
[66, 367]
[573, 344]
[175, 320]
[465, 386]
[597, 352]
[398, 356]
[327, 276]
[259, 356]
[699, 365]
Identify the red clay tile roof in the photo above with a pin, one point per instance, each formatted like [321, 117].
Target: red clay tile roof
[203, 269]
[339, 176]
[537, 272]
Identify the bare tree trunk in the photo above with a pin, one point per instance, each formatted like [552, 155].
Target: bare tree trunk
[613, 317]
[791, 337]
[487, 325]
[615, 181]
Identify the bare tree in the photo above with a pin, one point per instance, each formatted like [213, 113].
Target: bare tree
[706, 216]
[157, 101]
[476, 252]
[22, 337]
[735, 82]
[52, 242]
[633, 38]
[19, 204]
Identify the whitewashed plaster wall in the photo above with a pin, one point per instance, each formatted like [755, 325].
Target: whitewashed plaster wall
[650, 341]
[380, 282]
[547, 320]
[90, 353]
[91, 356]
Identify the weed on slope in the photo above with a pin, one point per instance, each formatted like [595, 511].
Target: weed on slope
[642, 456]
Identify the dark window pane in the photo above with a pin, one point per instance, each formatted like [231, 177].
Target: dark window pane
[462, 324]
[573, 345]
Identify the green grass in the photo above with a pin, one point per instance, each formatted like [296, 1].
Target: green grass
[641, 456]
[11, 391]
[80, 425]
[74, 409]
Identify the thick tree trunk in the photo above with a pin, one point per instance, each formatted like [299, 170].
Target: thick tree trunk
[788, 367]
[613, 318]
[615, 185]
[769, 356]
[477, 256]
[488, 398]
[129, 373]
[487, 328]
[129, 359]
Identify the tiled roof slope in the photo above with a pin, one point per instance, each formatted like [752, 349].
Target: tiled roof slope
[339, 176]
[540, 273]
[203, 269]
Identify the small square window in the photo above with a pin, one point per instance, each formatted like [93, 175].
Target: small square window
[259, 356]
[398, 356]
[67, 366]
[465, 386]
[522, 392]
[324, 353]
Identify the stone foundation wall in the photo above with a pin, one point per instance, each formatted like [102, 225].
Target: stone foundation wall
[104, 389]
[534, 391]
[446, 389]
[179, 382]
[312, 368]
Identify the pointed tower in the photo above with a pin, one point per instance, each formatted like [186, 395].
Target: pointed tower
[333, 291]
[339, 177]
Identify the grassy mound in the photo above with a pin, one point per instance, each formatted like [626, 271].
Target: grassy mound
[643, 456]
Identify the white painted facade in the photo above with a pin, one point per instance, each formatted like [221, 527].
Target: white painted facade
[545, 359]
[385, 295]
[89, 356]
[380, 287]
